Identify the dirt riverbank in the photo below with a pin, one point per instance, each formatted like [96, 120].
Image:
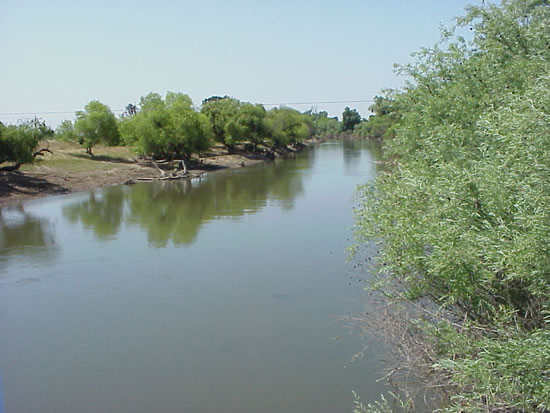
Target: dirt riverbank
[70, 169]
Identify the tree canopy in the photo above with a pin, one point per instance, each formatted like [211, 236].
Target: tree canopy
[287, 126]
[380, 124]
[169, 128]
[249, 124]
[350, 118]
[220, 111]
[96, 124]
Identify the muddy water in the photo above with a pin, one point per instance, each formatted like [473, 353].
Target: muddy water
[222, 294]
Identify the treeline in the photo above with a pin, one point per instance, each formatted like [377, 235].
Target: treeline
[462, 211]
[171, 127]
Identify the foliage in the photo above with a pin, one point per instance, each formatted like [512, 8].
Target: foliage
[463, 211]
[249, 125]
[350, 118]
[380, 124]
[511, 369]
[381, 406]
[131, 110]
[96, 124]
[65, 131]
[323, 125]
[287, 126]
[18, 143]
[220, 111]
[169, 128]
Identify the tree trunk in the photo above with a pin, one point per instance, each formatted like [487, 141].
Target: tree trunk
[17, 165]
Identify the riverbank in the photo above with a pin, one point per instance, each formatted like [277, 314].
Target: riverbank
[69, 169]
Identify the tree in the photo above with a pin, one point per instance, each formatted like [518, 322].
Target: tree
[249, 125]
[380, 124]
[287, 126]
[65, 131]
[220, 111]
[96, 124]
[18, 143]
[131, 109]
[169, 128]
[323, 125]
[350, 118]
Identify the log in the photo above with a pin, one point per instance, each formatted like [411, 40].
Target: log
[162, 173]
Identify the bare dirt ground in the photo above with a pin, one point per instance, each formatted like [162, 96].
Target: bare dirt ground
[70, 169]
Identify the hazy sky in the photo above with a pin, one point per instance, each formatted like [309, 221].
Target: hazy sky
[58, 55]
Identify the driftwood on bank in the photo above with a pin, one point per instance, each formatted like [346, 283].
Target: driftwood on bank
[179, 172]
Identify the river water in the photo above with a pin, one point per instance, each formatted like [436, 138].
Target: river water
[221, 294]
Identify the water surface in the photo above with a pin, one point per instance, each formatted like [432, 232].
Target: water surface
[221, 294]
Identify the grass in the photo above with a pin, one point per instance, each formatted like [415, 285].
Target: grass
[70, 157]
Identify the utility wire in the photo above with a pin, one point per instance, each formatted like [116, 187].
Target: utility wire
[320, 102]
[65, 112]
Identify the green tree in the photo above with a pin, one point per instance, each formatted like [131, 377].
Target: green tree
[323, 125]
[169, 128]
[96, 124]
[18, 143]
[380, 124]
[65, 131]
[249, 125]
[220, 111]
[287, 126]
[350, 118]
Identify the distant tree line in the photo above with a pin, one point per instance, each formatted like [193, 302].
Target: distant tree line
[172, 127]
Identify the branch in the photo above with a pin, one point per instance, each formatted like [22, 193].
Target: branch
[41, 152]
[162, 173]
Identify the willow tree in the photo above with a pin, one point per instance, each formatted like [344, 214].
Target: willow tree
[167, 128]
[95, 124]
[18, 143]
[220, 111]
[287, 126]
[462, 213]
[249, 125]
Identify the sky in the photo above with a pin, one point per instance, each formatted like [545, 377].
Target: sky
[56, 56]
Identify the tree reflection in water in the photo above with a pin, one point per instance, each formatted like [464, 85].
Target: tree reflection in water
[176, 211]
[25, 236]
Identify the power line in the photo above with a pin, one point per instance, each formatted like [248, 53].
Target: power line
[320, 102]
[63, 112]
[66, 112]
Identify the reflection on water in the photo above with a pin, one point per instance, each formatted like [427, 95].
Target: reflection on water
[101, 212]
[175, 211]
[22, 234]
[353, 150]
[242, 319]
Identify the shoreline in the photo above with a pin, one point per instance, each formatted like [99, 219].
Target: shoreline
[70, 170]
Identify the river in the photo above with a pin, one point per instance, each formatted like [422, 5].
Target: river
[221, 294]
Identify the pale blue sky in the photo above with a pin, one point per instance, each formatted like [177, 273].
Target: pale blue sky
[58, 55]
